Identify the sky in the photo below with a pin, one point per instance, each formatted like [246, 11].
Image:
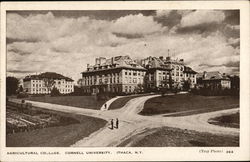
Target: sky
[66, 41]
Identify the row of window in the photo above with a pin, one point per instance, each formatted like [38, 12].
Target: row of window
[45, 90]
[133, 80]
[101, 81]
[134, 73]
[40, 85]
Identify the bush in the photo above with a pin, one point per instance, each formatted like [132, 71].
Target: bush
[22, 95]
[215, 92]
[55, 92]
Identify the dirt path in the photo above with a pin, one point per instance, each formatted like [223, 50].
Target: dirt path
[130, 123]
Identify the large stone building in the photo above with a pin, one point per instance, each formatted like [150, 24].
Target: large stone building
[118, 74]
[45, 82]
[122, 74]
[166, 72]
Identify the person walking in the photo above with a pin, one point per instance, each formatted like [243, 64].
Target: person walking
[111, 124]
[116, 123]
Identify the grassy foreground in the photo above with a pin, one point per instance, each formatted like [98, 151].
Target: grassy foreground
[188, 102]
[77, 101]
[61, 136]
[232, 120]
[120, 102]
[175, 137]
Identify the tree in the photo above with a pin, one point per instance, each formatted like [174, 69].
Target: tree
[55, 92]
[48, 83]
[170, 81]
[11, 85]
[186, 85]
[20, 88]
[139, 88]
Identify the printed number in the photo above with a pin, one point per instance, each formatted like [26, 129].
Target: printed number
[229, 151]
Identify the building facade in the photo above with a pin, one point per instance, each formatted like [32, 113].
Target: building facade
[122, 74]
[118, 74]
[167, 72]
[213, 80]
[45, 82]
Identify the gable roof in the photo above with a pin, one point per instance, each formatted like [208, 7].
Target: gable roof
[119, 62]
[157, 63]
[213, 75]
[47, 75]
[189, 70]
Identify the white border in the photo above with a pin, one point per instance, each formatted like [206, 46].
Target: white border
[151, 153]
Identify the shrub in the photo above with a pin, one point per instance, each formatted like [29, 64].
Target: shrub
[55, 92]
[215, 92]
[22, 95]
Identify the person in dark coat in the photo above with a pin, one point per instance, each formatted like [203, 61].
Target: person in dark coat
[111, 124]
[116, 123]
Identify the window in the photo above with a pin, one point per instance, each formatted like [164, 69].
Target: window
[126, 73]
[134, 73]
[129, 73]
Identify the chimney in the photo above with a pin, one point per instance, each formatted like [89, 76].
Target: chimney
[97, 61]
[204, 74]
[112, 60]
[161, 57]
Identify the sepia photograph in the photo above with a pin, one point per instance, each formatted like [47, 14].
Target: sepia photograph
[147, 78]
[123, 78]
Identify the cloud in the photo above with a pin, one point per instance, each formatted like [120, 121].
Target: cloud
[45, 42]
[199, 17]
[136, 25]
[231, 31]
[168, 18]
[165, 13]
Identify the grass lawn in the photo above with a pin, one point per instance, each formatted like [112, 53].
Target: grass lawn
[120, 102]
[61, 136]
[232, 120]
[174, 137]
[77, 101]
[188, 102]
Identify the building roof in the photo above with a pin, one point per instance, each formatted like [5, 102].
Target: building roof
[189, 70]
[115, 63]
[156, 63]
[47, 75]
[213, 75]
